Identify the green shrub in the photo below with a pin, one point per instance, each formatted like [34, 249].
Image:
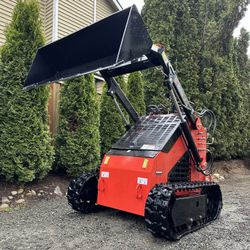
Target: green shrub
[25, 144]
[77, 141]
[198, 36]
[136, 92]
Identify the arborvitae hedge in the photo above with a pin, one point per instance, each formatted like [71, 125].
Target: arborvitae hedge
[111, 123]
[77, 140]
[154, 91]
[136, 92]
[154, 12]
[198, 36]
[243, 73]
[25, 144]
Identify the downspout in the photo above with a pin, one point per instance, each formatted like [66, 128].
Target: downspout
[94, 11]
[55, 21]
[54, 87]
[94, 20]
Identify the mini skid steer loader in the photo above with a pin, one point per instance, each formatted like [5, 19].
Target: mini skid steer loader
[159, 168]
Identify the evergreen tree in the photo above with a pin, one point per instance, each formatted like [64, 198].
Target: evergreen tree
[77, 140]
[155, 92]
[161, 32]
[185, 54]
[243, 72]
[136, 92]
[199, 43]
[111, 123]
[241, 47]
[231, 138]
[25, 144]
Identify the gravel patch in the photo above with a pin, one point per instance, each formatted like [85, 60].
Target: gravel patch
[52, 224]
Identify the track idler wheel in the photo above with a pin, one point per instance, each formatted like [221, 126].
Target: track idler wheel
[214, 201]
[82, 193]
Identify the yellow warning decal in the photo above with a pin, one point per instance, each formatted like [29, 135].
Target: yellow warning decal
[145, 163]
[106, 160]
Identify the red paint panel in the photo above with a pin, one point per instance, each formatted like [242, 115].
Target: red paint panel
[121, 189]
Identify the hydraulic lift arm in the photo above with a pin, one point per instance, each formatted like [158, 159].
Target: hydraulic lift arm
[114, 89]
[177, 93]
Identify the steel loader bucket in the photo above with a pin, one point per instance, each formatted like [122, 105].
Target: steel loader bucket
[118, 38]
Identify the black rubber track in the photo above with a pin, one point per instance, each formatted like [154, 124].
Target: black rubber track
[82, 193]
[160, 202]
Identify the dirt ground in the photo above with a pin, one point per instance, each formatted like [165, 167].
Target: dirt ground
[47, 222]
[42, 189]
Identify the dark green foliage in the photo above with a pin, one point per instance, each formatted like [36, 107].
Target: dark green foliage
[154, 91]
[111, 123]
[242, 60]
[243, 72]
[25, 144]
[154, 12]
[179, 29]
[199, 42]
[77, 140]
[224, 95]
[136, 92]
